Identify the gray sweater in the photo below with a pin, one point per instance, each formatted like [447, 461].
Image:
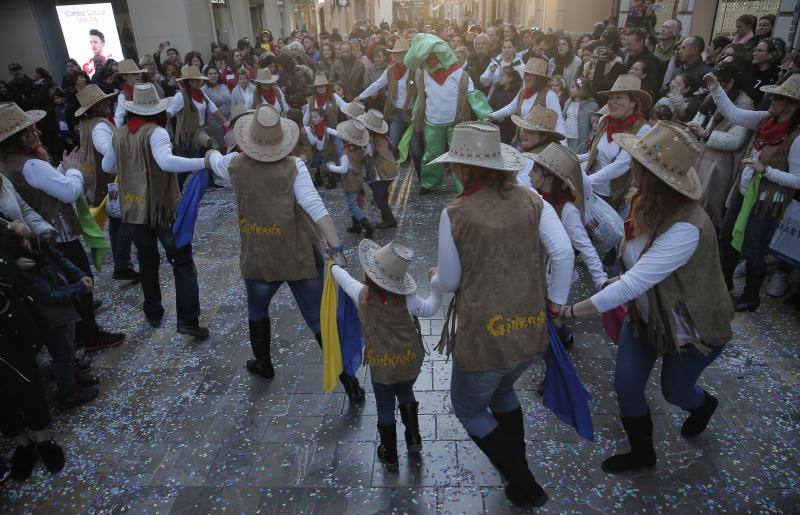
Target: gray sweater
[12, 207]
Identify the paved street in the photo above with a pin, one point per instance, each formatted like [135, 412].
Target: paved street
[182, 427]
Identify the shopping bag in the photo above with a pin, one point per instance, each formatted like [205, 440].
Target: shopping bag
[604, 225]
[786, 242]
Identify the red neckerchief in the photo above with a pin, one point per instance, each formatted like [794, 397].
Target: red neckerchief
[557, 199]
[441, 75]
[197, 95]
[629, 229]
[319, 130]
[269, 95]
[136, 123]
[349, 147]
[128, 90]
[527, 93]
[321, 99]
[771, 133]
[384, 298]
[110, 118]
[613, 126]
[398, 70]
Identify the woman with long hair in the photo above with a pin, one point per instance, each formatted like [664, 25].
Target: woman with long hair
[565, 62]
[745, 31]
[508, 57]
[326, 58]
[218, 93]
[767, 57]
[267, 92]
[507, 88]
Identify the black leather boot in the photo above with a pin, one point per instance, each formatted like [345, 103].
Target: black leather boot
[260, 338]
[387, 450]
[749, 300]
[642, 455]
[355, 228]
[409, 416]
[512, 423]
[388, 221]
[728, 259]
[369, 229]
[351, 385]
[698, 419]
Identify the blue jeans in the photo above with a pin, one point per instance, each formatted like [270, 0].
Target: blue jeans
[757, 234]
[397, 126]
[351, 199]
[318, 161]
[679, 374]
[59, 342]
[307, 293]
[473, 392]
[120, 236]
[385, 395]
[380, 190]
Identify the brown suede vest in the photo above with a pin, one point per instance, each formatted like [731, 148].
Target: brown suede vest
[277, 243]
[391, 92]
[620, 185]
[499, 306]
[48, 207]
[147, 194]
[353, 180]
[463, 112]
[696, 292]
[95, 180]
[540, 100]
[331, 110]
[394, 349]
[383, 158]
[187, 122]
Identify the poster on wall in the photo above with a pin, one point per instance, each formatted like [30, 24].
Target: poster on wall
[90, 33]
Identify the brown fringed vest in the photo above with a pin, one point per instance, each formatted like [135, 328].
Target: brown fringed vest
[620, 185]
[696, 292]
[277, 243]
[499, 307]
[95, 180]
[394, 349]
[147, 194]
[353, 180]
[48, 207]
[331, 110]
[382, 158]
[463, 112]
[391, 92]
[187, 122]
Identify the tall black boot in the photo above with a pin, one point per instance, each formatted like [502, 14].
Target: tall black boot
[512, 423]
[698, 419]
[409, 416]
[749, 300]
[355, 228]
[260, 338]
[388, 221]
[351, 385]
[522, 489]
[369, 229]
[728, 259]
[387, 450]
[642, 455]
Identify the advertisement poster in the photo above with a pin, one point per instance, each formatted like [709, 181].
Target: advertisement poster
[90, 32]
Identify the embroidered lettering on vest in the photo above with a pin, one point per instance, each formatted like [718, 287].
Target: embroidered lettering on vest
[389, 360]
[129, 198]
[259, 230]
[498, 325]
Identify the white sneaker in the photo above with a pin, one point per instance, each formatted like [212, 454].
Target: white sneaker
[778, 284]
[740, 269]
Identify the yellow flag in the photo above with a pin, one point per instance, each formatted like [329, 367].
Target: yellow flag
[331, 349]
[99, 213]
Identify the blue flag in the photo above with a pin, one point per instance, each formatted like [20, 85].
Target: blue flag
[564, 394]
[193, 190]
[350, 339]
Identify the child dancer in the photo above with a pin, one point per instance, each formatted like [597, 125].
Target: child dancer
[388, 310]
[355, 138]
[383, 169]
[320, 137]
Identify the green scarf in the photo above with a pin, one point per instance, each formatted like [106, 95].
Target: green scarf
[750, 199]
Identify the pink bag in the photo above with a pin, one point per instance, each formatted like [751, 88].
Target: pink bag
[613, 320]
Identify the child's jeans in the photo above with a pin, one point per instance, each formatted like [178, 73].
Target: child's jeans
[351, 199]
[385, 395]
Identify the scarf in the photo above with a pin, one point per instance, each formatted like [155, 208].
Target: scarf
[128, 90]
[440, 75]
[398, 70]
[528, 93]
[197, 95]
[770, 133]
[559, 198]
[136, 123]
[321, 99]
[269, 95]
[319, 130]
[613, 126]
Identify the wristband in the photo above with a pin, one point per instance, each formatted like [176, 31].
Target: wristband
[337, 249]
[552, 314]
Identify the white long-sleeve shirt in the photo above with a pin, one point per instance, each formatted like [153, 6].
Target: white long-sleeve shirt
[612, 162]
[440, 102]
[489, 78]
[243, 97]
[670, 251]
[551, 234]
[382, 82]
[177, 106]
[305, 194]
[102, 134]
[751, 120]
[416, 305]
[340, 102]
[66, 186]
[319, 144]
[551, 102]
[119, 111]
[161, 147]
[280, 101]
[342, 167]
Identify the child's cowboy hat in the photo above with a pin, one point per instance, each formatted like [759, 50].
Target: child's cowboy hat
[373, 120]
[353, 131]
[354, 109]
[387, 266]
[237, 112]
[478, 144]
[264, 135]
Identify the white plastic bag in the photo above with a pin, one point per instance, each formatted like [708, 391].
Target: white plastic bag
[604, 225]
[786, 241]
[112, 204]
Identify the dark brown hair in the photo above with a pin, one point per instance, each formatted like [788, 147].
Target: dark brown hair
[650, 199]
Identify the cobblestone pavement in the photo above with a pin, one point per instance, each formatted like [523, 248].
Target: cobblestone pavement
[182, 427]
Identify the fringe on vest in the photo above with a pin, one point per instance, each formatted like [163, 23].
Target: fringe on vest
[447, 342]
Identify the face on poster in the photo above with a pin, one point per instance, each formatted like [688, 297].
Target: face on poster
[90, 32]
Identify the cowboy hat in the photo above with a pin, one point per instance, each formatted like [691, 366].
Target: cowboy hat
[321, 80]
[478, 144]
[540, 119]
[354, 109]
[237, 112]
[264, 76]
[89, 96]
[560, 161]
[387, 266]
[373, 120]
[145, 100]
[13, 119]
[789, 89]
[400, 45]
[537, 66]
[353, 131]
[191, 73]
[127, 67]
[264, 135]
[669, 151]
[632, 85]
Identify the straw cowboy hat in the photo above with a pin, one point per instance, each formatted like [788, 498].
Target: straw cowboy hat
[13, 119]
[354, 109]
[89, 96]
[669, 151]
[264, 76]
[128, 67]
[540, 119]
[321, 80]
[478, 144]
[145, 100]
[537, 66]
[353, 131]
[790, 88]
[632, 85]
[264, 135]
[560, 161]
[373, 120]
[237, 112]
[387, 266]
[400, 45]
[191, 73]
